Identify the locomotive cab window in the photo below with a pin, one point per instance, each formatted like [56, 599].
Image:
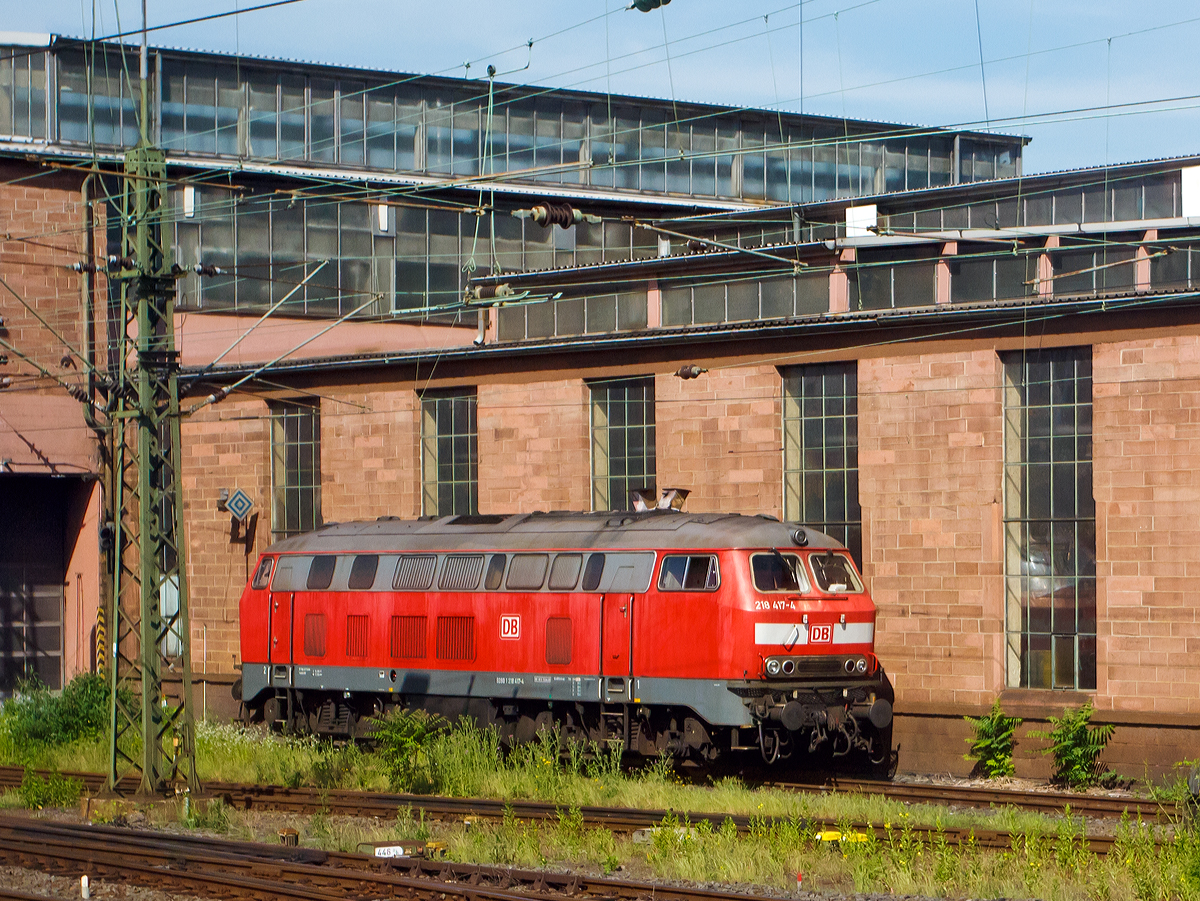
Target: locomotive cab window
[779, 572]
[834, 573]
[689, 573]
[320, 573]
[262, 576]
[362, 572]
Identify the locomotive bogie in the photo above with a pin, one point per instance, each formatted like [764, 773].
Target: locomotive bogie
[668, 632]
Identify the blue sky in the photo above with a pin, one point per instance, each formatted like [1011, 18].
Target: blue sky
[1085, 80]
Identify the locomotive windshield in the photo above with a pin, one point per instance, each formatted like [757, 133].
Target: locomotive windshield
[834, 572]
[778, 572]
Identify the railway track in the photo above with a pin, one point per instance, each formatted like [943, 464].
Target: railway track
[372, 804]
[618, 820]
[1091, 806]
[201, 865]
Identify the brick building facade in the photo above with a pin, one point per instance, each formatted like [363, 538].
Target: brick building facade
[981, 383]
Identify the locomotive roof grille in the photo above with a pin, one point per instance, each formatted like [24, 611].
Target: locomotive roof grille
[663, 529]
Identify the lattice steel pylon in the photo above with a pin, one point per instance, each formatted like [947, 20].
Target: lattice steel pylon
[148, 619]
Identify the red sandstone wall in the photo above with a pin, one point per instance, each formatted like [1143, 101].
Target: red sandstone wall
[534, 447]
[930, 461]
[40, 235]
[224, 446]
[721, 436]
[370, 464]
[1147, 485]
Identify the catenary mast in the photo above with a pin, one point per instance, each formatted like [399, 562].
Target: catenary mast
[150, 736]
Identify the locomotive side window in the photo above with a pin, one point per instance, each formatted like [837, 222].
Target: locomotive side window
[495, 572]
[320, 573]
[834, 572]
[778, 572]
[456, 637]
[262, 575]
[528, 571]
[356, 635]
[314, 634]
[565, 571]
[592, 572]
[414, 573]
[362, 572]
[408, 636]
[461, 572]
[558, 640]
[690, 573]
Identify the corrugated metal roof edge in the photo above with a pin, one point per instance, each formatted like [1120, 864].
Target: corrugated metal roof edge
[1002, 137]
[831, 322]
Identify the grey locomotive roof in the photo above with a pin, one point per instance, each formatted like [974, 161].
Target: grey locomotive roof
[532, 531]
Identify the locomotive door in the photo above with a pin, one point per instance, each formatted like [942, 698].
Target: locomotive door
[615, 644]
[281, 627]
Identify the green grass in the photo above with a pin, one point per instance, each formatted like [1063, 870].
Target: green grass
[1048, 858]
[468, 762]
[1053, 865]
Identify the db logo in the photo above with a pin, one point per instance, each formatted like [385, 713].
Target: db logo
[820, 633]
[510, 628]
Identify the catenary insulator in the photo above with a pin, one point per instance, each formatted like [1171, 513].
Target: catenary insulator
[489, 292]
[561, 214]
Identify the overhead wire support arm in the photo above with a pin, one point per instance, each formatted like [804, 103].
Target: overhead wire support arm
[76, 391]
[244, 335]
[797, 265]
[223, 393]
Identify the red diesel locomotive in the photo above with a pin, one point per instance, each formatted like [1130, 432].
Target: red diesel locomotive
[691, 634]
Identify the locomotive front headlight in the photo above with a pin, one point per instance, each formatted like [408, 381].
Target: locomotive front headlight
[789, 667]
[861, 666]
[772, 667]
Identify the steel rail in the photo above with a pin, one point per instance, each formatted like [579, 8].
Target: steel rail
[204, 865]
[1097, 806]
[305, 873]
[15, 894]
[376, 804]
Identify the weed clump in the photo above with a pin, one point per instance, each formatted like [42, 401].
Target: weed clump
[55, 790]
[1077, 747]
[993, 742]
[211, 816]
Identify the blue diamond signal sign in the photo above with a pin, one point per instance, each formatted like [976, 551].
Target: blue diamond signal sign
[239, 504]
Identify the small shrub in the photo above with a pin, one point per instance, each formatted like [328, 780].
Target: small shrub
[56, 790]
[403, 739]
[992, 745]
[36, 717]
[1077, 747]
